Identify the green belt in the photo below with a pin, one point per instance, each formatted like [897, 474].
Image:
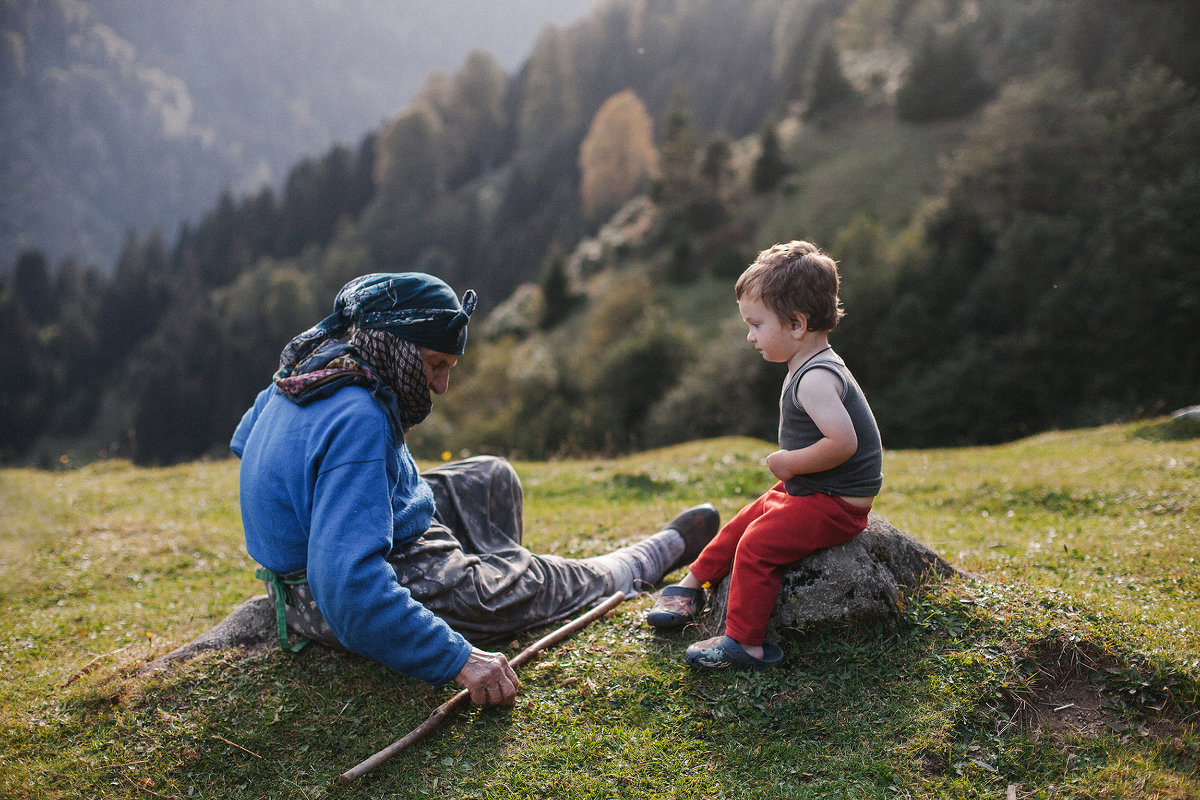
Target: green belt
[281, 598]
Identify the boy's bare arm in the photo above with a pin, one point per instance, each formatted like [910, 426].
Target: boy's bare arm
[819, 393]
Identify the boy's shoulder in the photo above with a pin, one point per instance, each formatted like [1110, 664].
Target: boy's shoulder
[828, 362]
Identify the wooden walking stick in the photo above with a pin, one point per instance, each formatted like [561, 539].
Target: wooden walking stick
[450, 706]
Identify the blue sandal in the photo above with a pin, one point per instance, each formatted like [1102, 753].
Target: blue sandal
[676, 606]
[722, 652]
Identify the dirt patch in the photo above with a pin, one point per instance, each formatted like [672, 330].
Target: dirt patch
[1076, 707]
[1072, 707]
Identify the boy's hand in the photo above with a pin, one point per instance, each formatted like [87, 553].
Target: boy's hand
[819, 393]
[777, 463]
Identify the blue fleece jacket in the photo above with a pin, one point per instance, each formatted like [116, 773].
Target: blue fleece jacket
[324, 487]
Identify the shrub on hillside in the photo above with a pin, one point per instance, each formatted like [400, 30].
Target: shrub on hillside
[943, 81]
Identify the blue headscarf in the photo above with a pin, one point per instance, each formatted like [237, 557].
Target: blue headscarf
[418, 309]
[413, 306]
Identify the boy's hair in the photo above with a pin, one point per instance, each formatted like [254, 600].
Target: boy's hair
[795, 277]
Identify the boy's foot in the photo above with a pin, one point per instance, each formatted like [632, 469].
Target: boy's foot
[722, 652]
[676, 606]
[697, 525]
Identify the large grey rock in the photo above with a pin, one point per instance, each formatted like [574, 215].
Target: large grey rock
[1185, 422]
[864, 579]
[1190, 413]
[250, 625]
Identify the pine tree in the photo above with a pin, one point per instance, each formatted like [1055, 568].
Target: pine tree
[677, 182]
[557, 298]
[829, 87]
[770, 167]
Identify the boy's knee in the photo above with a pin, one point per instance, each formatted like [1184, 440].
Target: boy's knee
[763, 545]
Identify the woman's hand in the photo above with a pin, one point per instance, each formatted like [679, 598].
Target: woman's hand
[489, 678]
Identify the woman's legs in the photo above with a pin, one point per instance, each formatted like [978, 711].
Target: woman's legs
[471, 570]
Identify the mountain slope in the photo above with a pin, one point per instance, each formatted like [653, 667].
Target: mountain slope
[121, 115]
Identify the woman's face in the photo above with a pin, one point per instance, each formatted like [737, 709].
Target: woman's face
[437, 369]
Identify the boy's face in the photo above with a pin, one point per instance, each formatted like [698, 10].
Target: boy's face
[775, 340]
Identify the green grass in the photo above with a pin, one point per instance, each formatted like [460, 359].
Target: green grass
[839, 173]
[1068, 666]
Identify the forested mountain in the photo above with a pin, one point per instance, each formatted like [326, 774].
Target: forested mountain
[1009, 185]
[124, 114]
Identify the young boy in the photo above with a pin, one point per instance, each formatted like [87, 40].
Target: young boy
[829, 461]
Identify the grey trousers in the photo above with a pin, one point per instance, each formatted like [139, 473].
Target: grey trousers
[470, 568]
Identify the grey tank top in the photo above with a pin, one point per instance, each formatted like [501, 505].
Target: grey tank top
[859, 476]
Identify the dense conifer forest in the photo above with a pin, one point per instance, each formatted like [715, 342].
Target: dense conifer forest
[1010, 187]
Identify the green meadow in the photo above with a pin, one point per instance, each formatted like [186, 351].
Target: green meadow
[1067, 665]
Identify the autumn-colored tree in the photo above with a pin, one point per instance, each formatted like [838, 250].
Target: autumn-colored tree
[618, 154]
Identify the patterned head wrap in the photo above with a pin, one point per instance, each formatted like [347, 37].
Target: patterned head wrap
[400, 366]
[416, 307]
[372, 339]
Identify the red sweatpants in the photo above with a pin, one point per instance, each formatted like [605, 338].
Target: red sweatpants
[775, 530]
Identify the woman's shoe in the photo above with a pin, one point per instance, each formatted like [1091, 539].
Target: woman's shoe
[697, 525]
[676, 607]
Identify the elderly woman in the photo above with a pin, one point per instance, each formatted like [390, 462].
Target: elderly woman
[359, 550]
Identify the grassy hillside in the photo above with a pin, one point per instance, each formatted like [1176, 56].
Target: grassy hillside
[1069, 666]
